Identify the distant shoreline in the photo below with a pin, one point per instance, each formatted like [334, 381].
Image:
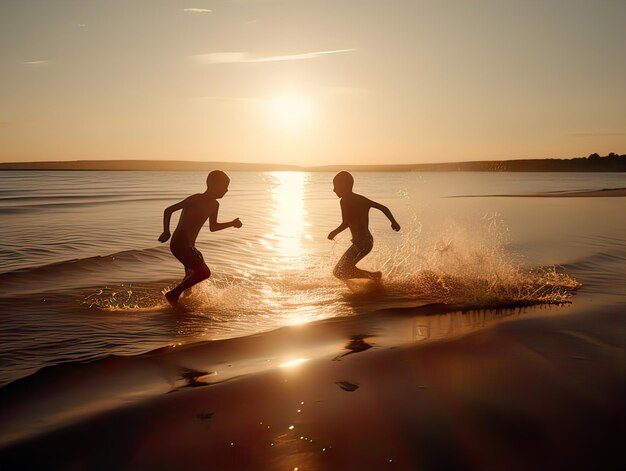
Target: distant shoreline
[606, 192]
[593, 163]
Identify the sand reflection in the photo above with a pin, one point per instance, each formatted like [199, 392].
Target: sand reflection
[292, 363]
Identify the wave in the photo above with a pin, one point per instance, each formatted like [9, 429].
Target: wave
[82, 272]
[603, 271]
[89, 263]
[26, 204]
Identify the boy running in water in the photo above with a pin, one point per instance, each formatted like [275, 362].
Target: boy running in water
[355, 214]
[196, 210]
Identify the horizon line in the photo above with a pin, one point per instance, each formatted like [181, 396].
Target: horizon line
[538, 164]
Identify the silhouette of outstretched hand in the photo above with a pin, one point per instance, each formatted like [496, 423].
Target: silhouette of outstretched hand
[237, 223]
[165, 236]
[395, 226]
[332, 235]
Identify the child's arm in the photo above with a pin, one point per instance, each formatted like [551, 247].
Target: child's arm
[167, 214]
[385, 210]
[215, 226]
[342, 227]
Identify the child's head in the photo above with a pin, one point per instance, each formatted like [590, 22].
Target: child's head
[217, 181]
[342, 183]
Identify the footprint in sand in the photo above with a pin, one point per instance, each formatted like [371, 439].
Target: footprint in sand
[357, 344]
[195, 378]
[347, 386]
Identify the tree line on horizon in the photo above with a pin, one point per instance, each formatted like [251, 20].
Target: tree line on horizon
[592, 163]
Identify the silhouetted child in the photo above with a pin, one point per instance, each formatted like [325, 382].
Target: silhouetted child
[355, 214]
[196, 210]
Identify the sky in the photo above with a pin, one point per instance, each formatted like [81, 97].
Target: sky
[311, 82]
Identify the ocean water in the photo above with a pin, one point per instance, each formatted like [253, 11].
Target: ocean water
[82, 272]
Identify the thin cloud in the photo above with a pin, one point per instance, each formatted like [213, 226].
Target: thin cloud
[248, 58]
[197, 10]
[43, 62]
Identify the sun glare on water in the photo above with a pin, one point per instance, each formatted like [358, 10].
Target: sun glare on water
[291, 219]
[291, 111]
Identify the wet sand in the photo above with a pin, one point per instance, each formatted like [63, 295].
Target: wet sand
[544, 392]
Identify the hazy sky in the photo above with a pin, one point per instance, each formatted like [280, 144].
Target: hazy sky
[311, 81]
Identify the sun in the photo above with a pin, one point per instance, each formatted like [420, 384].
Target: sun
[291, 111]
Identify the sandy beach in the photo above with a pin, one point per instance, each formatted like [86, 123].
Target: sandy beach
[539, 393]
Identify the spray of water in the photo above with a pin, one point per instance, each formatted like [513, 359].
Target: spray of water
[471, 268]
[125, 297]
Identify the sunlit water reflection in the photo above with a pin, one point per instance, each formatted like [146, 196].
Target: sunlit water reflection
[290, 220]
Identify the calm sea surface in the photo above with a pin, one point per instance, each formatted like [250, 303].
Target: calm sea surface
[81, 271]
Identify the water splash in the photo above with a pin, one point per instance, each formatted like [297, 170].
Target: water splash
[472, 268]
[125, 297]
[466, 266]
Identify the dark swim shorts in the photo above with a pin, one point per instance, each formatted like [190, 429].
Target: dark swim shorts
[359, 249]
[187, 253]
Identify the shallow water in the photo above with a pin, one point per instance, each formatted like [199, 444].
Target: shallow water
[81, 272]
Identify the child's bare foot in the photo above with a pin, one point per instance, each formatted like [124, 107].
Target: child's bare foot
[172, 297]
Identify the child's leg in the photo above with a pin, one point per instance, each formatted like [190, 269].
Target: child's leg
[188, 271]
[189, 256]
[197, 275]
[346, 267]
